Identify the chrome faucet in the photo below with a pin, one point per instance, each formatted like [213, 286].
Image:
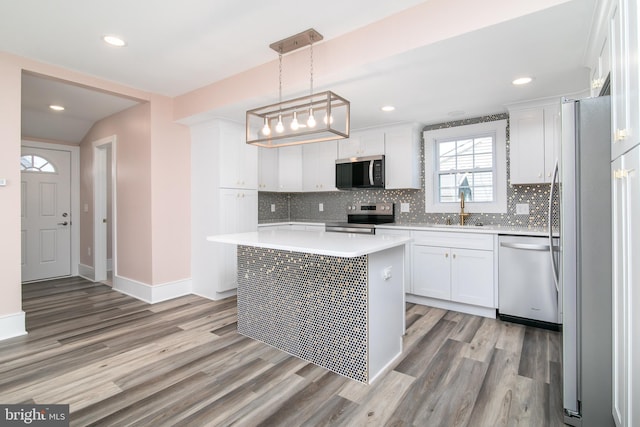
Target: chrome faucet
[462, 213]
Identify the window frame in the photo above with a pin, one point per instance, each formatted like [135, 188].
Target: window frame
[34, 169]
[498, 128]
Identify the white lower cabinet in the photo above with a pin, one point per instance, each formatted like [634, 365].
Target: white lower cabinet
[239, 215]
[472, 276]
[455, 267]
[431, 272]
[461, 275]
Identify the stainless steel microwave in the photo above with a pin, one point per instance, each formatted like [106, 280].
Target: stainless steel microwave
[360, 172]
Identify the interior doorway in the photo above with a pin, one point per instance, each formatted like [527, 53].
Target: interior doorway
[104, 209]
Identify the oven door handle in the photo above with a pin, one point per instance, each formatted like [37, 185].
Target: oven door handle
[357, 230]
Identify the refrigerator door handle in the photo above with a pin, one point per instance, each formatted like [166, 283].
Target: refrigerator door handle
[554, 265]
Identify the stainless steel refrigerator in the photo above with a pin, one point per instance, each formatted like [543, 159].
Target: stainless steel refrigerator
[584, 270]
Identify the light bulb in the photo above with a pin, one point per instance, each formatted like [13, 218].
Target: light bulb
[266, 130]
[279, 126]
[328, 118]
[311, 121]
[294, 124]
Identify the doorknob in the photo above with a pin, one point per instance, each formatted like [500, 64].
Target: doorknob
[63, 223]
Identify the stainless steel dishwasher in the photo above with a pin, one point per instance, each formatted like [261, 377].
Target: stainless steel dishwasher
[527, 291]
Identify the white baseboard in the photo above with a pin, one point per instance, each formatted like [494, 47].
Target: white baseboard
[452, 305]
[152, 294]
[87, 272]
[12, 325]
[217, 296]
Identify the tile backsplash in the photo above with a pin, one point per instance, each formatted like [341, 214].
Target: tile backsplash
[305, 206]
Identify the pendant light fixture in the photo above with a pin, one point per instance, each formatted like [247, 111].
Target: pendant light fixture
[293, 122]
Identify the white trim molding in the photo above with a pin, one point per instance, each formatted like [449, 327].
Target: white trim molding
[87, 271]
[452, 305]
[12, 325]
[152, 293]
[218, 295]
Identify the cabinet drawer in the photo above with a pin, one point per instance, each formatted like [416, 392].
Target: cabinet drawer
[465, 240]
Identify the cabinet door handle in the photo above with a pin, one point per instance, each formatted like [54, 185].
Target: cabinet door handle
[619, 135]
[454, 256]
[446, 254]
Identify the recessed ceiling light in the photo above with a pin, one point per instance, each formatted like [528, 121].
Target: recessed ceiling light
[522, 81]
[114, 41]
[56, 107]
[388, 108]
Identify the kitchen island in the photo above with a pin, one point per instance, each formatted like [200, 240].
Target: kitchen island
[334, 299]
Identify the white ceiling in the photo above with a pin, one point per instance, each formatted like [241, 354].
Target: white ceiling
[175, 47]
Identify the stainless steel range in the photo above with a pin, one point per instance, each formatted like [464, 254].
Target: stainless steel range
[362, 218]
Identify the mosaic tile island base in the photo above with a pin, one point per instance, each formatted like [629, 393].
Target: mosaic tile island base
[342, 313]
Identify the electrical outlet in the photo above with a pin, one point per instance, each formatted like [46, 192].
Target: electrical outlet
[321, 207]
[522, 209]
[89, 251]
[405, 207]
[273, 207]
[86, 207]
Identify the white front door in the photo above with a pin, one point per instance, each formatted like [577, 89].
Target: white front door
[46, 213]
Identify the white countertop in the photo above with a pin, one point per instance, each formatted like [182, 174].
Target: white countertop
[485, 229]
[346, 245]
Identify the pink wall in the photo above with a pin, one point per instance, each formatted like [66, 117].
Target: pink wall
[170, 194]
[133, 190]
[10, 289]
[418, 26]
[152, 190]
[154, 226]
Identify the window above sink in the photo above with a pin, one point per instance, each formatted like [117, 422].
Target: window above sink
[468, 159]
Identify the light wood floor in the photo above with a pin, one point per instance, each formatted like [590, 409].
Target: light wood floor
[118, 361]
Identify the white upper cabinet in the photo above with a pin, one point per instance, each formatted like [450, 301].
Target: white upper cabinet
[601, 67]
[311, 167]
[623, 35]
[267, 169]
[363, 143]
[402, 156]
[290, 168]
[319, 166]
[400, 145]
[534, 141]
[238, 161]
